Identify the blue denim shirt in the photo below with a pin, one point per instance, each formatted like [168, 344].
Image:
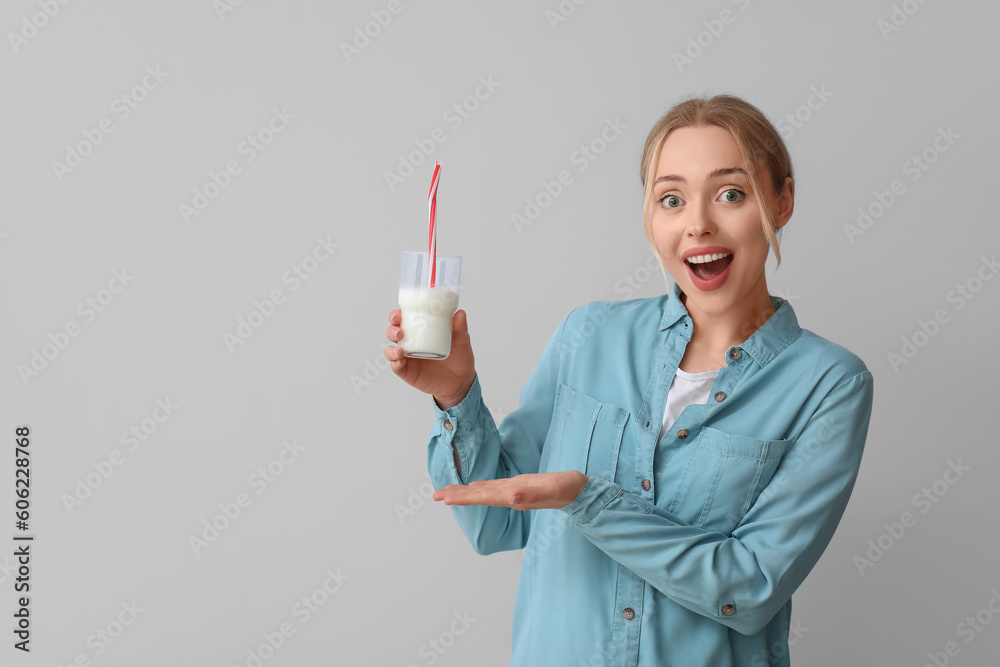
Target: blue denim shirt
[683, 551]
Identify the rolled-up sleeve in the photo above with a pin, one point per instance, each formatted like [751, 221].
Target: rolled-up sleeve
[488, 452]
[742, 580]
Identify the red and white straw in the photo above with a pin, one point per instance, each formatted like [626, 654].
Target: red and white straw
[431, 227]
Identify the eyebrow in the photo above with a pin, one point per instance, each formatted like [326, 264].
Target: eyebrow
[723, 171]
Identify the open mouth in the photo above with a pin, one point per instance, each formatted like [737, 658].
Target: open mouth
[710, 269]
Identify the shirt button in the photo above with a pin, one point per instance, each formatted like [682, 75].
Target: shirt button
[683, 433]
[646, 485]
[720, 396]
[628, 613]
[735, 353]
[447, 425]
[728, 609]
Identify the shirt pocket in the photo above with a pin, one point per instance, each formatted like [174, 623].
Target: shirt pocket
[590, 436]
[721, 476]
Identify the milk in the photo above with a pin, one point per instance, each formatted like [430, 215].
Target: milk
[426, 320]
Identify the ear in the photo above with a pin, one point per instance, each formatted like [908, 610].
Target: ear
[785, 203]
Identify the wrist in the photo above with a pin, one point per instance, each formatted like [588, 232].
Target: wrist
[445, 402]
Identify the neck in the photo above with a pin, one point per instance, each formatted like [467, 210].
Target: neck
[719, 331]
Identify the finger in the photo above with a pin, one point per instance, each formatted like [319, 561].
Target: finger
[461, 499]
[397, 361]
[394, 316]
[443, 493]
[464, 495]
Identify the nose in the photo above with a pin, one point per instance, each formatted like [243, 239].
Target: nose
[700, 220]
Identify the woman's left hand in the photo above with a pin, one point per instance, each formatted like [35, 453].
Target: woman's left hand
[533, 491]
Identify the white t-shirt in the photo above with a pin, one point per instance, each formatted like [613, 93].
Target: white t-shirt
[686, 389]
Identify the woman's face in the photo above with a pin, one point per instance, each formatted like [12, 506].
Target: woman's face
[704, 208]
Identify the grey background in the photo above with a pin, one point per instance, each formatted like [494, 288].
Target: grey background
[299, 376]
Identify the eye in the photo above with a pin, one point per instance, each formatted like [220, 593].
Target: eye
[670, 201]
[733, 196]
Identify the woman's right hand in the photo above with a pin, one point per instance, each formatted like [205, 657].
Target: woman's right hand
[448, 380]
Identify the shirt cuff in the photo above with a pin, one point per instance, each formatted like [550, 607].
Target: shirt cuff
[455, 426]
[594, 497]
[464, 410]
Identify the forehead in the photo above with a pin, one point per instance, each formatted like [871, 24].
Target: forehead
[692, 152]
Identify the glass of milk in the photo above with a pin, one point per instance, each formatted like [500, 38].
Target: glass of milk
[426, 312]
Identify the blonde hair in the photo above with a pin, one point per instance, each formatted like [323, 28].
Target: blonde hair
[756, 138]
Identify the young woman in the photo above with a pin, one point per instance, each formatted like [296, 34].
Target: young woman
[677, 464]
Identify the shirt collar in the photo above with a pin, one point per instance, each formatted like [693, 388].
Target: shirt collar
[778, 332]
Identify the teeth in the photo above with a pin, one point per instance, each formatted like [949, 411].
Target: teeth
[701, 259]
